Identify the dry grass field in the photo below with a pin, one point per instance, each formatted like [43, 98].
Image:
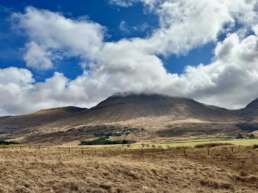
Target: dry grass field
[202, 169]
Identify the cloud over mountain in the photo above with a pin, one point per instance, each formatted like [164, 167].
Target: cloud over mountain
[135, 64]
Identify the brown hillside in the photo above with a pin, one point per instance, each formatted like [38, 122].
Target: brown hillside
[154, 113]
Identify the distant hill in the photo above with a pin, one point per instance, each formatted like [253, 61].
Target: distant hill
[17, 124]
[154, 114]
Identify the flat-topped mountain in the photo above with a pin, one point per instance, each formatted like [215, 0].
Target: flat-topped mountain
[148, 112]
[125, 107]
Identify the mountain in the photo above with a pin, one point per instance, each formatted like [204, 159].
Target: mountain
[122, 108]
[250, 111]
[140, 114]
[17, 124]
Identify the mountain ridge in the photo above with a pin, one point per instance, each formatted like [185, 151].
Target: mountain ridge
[151, 112]
[124, 95]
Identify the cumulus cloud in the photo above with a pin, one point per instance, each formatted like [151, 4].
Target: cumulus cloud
[134, 65]
[37, 57]
[231, 79]
[51, 32]
[13, 84]
[21, 94]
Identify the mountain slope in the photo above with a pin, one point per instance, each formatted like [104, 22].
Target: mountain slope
[16, 124]
[164, 115]
[250, 112]
[121, 108]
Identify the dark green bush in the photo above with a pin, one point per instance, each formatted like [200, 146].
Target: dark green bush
[3, 142]
[239, 136]
[105, 141]
[251, 136]
[255, 146]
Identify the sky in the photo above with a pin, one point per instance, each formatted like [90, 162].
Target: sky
[77, 53]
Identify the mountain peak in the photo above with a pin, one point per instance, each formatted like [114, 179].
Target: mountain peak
[140, 99]
[253, 104]
[138, 95]
[130, 106]
[131, 95]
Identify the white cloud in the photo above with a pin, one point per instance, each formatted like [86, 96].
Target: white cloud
[187, 24]
[13, 84]
[230, 80]
[37, 57]
[128, 3]
[125, 28]
[53, 32]
[123, 3]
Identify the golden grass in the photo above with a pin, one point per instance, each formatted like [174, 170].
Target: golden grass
[120, 169]
[194, 142]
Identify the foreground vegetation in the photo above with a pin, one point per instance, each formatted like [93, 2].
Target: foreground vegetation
[106, 141]
[193, 142]
[5, 142]
[218, 168]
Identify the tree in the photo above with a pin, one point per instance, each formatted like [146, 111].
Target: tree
[239, 136]
[251, 136]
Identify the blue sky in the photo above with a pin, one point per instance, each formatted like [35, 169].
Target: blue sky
[12, 42]
[138, 23]
[77, 53]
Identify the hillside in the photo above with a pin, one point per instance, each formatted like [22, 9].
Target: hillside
[151, 115]
[122, 108]
[25, 123]
[250, 112]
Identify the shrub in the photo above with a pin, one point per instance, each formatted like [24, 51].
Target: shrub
[209, 145]
[251, 136]
[239, 136]
[105, 141]
[4, 142]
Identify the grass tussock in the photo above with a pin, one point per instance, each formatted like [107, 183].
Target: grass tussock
[210, 145]
[125, 170]
[213, 184]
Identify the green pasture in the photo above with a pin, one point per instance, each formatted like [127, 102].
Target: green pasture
[194, 142]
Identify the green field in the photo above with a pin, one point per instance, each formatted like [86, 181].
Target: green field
[160, 144]
[192, 142]
[183, 142]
